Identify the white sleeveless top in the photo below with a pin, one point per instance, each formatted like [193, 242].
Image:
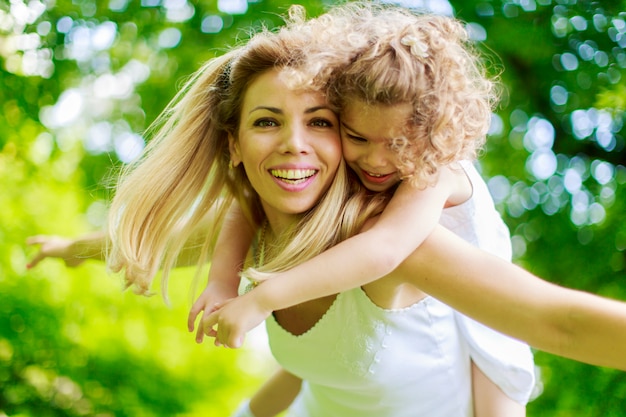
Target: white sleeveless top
[365, 361]
[360, 360]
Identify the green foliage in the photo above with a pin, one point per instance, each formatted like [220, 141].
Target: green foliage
[71, 343]
[81, 80]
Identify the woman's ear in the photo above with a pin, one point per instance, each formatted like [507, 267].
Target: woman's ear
[233, 147]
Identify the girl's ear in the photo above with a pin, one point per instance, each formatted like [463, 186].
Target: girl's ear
[233, 147]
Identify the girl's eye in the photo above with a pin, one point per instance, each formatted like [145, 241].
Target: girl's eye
[265, 123]
[321, 123]
[357, 139]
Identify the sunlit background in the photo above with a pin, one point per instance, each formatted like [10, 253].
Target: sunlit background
[81, 80]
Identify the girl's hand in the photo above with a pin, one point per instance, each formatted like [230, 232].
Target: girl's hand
[234, 319]
[211, 298]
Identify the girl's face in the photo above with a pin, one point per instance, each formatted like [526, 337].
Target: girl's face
[289, 145]
[366, 129]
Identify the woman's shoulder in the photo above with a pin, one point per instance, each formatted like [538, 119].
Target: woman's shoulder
[393, 291]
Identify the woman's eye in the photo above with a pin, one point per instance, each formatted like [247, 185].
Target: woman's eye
[321, 123]
[265, 123]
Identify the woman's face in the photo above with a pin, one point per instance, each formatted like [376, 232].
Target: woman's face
[289, 145]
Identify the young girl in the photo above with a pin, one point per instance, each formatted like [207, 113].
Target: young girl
[415, 108]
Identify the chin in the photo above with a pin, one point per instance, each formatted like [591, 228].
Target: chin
[377, 188]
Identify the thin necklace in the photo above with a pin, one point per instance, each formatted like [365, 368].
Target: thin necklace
[259, 256]
[260, 250]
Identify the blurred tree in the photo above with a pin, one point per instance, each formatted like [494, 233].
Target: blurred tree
[71, 344]
[556, 162]
[79, 83]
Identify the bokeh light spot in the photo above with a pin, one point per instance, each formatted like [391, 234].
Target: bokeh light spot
[569, 62]
[212, 24]
[558, 95]
[232, 6]
[170, 38]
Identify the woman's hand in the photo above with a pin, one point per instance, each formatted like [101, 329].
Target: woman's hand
[73, 251]
[54, 247]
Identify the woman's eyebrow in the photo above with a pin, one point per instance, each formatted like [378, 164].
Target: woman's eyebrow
[316, 108]
[280, 111]
[268, 108]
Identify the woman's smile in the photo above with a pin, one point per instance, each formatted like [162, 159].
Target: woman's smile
[293, 178]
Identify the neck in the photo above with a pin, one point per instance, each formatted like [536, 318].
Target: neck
[266, 235]
[279, 222]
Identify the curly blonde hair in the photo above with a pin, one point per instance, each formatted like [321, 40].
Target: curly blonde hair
[428, 62]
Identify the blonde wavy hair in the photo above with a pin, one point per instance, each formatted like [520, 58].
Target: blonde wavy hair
[428, 62]
[183, 173]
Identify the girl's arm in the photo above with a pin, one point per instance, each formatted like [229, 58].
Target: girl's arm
[490, 400]
[230, 253]
[558, 320]
[408, 219]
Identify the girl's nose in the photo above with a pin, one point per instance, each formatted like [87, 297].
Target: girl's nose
[376, 157]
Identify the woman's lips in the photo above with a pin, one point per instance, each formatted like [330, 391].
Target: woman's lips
[293, 179]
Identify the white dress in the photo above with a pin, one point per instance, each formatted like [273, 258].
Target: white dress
[506, 361]
[361, 360]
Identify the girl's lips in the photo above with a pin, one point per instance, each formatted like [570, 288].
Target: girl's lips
[293, 179]
[376, 178]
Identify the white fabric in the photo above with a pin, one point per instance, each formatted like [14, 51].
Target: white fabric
[506, 361]
[361, 360]
[477, 220]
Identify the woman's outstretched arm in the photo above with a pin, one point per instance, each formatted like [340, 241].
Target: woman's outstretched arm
[565, 322]
[72, 251]
[94, 245]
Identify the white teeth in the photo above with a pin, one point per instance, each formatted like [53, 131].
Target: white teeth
[371, 174]
[293, 175]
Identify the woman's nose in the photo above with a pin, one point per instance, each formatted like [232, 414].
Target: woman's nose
[295, 140]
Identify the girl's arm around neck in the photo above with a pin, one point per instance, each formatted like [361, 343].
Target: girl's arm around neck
[406, 221]
[558, 320]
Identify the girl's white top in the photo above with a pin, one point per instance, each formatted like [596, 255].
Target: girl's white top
[365, 361]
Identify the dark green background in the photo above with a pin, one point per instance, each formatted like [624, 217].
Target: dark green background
[78, 77]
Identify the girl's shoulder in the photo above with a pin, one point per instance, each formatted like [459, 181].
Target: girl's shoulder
[457, 182]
